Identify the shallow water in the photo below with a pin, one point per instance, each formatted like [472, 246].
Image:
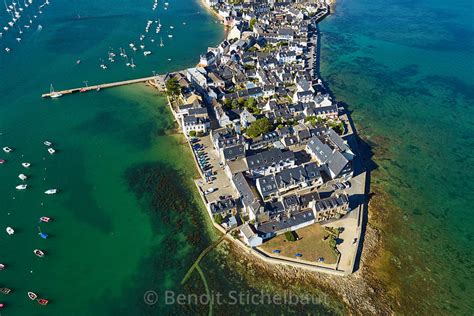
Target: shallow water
[406, 71]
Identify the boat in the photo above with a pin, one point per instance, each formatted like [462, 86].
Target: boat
[45, 219]
[38, 253]
[5, 290]
[47, 143]
[42, 301]
[78, 62]
[26, 164]
[2, 161]
[50, 191]
[10, 231]
[53, 94]
[7, 150]
[170, 35]
[32, 296]
[43, 235]
[146, 53]
[22, 177]
[21, 187]
[51, 151]
[161, 42]
[2, 266]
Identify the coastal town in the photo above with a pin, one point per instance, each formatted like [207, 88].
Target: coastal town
[277, 155]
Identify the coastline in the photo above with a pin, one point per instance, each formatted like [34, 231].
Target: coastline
[361, 283]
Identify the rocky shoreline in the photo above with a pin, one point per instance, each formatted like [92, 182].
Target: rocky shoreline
[361, 292]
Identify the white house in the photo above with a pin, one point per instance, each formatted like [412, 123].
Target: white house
[249, 235]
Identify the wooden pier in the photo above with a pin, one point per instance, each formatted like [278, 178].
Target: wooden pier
[156, 81]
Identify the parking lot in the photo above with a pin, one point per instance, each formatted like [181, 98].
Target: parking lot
[219, 179]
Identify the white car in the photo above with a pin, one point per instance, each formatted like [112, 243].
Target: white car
[210, 190]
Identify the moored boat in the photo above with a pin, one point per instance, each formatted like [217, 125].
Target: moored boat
[53, 94]
[21, 187]
[32, 296]
[38, 253]
[7, 150]
[26, 164]
[51, 191]
[42, 301]
[2, 161]
[51, 151]
[47, 143]
[45, 219]
[10, 231]
[2, 266]
[22, 177]
[5, 290]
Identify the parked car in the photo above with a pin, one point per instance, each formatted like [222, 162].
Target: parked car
[210, 190]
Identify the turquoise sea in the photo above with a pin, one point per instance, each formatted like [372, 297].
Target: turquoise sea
[107, 245]
[406, 70]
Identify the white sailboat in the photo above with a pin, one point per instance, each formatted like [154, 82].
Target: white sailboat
[53, 94]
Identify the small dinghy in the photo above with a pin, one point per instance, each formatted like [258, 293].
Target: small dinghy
[41, 234]
[10, 231]
[2, 266]
[50, 191]
[38, 253]
[42, 301]
[2, 161]
[21, 187]
[51, 151]
[32, 296]
[47, 143]
[26, 164]
[7, 150]
[5, 290]
[45, 219]
[22, 177]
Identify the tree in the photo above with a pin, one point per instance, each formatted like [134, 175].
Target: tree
[218, 218]
[332, 241]
[251, 105]
[290, 236]
[252, 23]
[259, 127]
[337, 126]
[172, 86]
[192, 133]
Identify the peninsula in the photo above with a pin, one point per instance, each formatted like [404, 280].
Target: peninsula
[281, 176]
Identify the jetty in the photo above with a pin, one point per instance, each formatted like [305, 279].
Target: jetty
[156, 81]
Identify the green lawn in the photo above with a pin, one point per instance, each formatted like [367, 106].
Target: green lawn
[310, 244]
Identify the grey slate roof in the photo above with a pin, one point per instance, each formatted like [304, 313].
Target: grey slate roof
[245, 192]
[267, 158]
[222, 206]
[276, 225]
[267, 185]
[337, 162]
[234, 152]
[322, 151]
